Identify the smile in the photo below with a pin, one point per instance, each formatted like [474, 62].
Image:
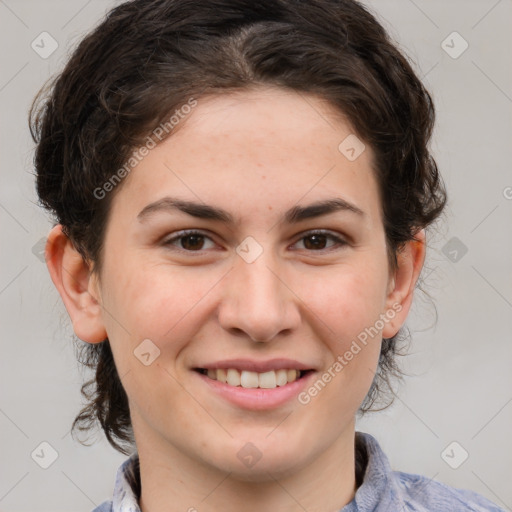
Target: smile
[249, 379]
[246, 388]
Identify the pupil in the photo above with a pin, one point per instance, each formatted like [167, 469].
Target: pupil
[196, 242]
[318, 242]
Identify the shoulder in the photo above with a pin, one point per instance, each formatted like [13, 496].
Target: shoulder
[422, 494]
[106, 506]
[383, 489]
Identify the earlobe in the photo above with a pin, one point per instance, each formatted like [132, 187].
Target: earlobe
[76, 285]
[409, 264]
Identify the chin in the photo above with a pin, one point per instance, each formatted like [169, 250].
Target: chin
[260, 461]
[263, 470]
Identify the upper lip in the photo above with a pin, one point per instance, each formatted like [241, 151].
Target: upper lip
[252, 365]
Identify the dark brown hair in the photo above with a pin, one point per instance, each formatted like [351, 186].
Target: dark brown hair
[149, 57]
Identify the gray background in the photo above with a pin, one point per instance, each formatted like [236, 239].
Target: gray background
[460, 384]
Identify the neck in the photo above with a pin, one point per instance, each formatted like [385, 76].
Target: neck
[174, 481]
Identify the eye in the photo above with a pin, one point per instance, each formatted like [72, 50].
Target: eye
[190, 241]
[318, 240]
[196, 241]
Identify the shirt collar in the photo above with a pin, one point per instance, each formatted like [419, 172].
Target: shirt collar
[379, 490]
[126, 495]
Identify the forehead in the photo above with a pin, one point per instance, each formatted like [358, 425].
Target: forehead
[267, 147]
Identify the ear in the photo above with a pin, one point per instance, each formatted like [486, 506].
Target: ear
[77, 285]
[410, 261]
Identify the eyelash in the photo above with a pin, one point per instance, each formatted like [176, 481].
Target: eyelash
[185, 233]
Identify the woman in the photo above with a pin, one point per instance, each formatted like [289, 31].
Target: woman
[241, 192]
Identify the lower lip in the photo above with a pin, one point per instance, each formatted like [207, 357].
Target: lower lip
[257, 399]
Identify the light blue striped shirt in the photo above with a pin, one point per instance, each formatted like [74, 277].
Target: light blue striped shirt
[382, 489]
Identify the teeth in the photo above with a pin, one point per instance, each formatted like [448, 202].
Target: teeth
[281, 377]
[234, 378]
[222, 375]
[246, 379]
[291, 375]
[268, 380]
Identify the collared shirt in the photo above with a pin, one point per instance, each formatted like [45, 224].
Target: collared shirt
[380, 488]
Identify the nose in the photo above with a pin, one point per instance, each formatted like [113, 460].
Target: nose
[257, 301]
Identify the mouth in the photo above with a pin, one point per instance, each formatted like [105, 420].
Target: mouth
[271, 379]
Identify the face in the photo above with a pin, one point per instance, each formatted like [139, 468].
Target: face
[249, 279]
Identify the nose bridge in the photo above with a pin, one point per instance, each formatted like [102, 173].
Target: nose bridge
[256, 301]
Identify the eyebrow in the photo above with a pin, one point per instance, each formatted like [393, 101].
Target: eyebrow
[203, 211]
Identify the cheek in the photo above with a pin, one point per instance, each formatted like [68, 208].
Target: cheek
[166, 305]
[159, 302]
[349, 304]
[348, 299]
[349, 309]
